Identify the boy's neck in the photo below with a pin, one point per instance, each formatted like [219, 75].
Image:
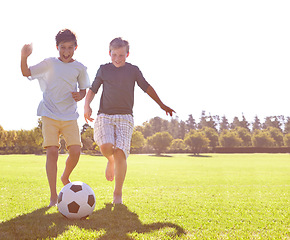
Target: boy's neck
[70, 61]
[119, 65]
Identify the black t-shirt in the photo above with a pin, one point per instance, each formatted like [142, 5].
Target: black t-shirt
[118, 87]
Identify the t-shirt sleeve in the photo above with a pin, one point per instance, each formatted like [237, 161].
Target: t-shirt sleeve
[83, 79]
[142, 83]
[97, 82]
[39, 70]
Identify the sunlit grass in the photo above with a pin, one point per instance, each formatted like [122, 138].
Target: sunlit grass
[235, 196]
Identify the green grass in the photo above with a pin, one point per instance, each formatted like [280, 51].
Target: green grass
[235, 196]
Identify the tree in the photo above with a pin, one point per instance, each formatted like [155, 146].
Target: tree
[287, 126]
[274, 121]
[177, 145]
[244, 123]
[174, 128]
[190, 123]
[224, 124]
[230, 139]
[208, 121]
[3, 137]
[182, 129]
[37, 139]
[62, 143]
[87, 138]
[137, 141]
[245, 135]
[262, 138]
[24, 142]
[256, 125]
[156, 124]
[287, 140]
[85, 127]
[213, 122]
[147, 130]
[235, 123]
[11, 141]
[212, 136]
[160, 141]
[196, 141]
[277, 135]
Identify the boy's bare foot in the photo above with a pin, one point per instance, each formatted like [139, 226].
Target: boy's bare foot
[110, 171]
[53, 202]
[64, 180]
[117, 199]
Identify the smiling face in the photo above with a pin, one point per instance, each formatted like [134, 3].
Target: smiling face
[118, 56]
[66, 51]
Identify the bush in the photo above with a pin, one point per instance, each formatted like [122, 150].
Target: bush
[230, 139]
[160, 141]
[196, 141]
[262, 139]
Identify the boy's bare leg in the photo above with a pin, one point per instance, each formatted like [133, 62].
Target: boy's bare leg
[120, 174]
[107, 150]
[51, 172]
[71, 162]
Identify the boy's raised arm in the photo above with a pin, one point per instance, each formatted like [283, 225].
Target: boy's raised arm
[151, 92]
[25, 53]
[88, 111]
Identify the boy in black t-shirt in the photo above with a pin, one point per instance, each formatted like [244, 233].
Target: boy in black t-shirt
[114, 124]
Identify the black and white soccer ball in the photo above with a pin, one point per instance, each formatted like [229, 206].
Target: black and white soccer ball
[76, 200]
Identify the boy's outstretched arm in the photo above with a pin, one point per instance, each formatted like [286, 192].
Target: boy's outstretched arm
[25, 53]
[151, 92]
[88, 111]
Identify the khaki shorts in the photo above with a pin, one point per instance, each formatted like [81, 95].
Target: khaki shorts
[52, 129]
[114, 129]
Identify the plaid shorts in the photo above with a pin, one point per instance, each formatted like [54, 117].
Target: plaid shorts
[114, 129]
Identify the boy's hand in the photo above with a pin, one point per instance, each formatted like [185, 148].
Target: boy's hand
[151, 92]
[88, 113]
[168, 110]
[26, 50]
[77, 96]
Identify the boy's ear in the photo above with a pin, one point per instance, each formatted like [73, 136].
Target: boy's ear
[56, 47]
[76, 47]
[110, 53]
[128, 54]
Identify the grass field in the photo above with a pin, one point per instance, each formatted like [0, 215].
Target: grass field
[231, 196]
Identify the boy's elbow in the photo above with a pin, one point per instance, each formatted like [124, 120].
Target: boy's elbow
[26, 73]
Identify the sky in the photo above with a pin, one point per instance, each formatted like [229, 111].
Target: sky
[225, 57]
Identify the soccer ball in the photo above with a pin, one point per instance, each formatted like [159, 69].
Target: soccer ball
[76, 200]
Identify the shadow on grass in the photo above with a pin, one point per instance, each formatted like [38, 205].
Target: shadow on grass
[160, 155]
[113, 222]
[200, 156]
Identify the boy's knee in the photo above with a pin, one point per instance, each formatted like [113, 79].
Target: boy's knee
[51, 154]
[107, 149]
[74, 150]
[119, 154]
[52, 150]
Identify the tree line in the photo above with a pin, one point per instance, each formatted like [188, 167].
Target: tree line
[158, 135]
[211, 132]
[21, 141]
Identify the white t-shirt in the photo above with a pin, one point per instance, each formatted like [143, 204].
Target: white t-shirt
[57, 81]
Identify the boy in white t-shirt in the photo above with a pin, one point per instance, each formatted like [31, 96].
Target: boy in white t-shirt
[59, 79]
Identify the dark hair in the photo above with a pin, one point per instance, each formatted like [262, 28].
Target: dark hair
[65, 35]
[118, 43]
